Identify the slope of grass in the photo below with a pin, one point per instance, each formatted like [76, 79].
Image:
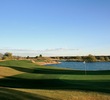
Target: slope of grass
[12, 94]
[36, 78]
[6, 71]
[68, 95]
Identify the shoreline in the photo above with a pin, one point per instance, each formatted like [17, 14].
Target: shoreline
[46, 63]
[51, 63]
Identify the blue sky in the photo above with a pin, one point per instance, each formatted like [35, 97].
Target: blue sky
[55, 27]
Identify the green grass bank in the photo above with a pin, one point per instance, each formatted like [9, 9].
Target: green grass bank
[52, 83]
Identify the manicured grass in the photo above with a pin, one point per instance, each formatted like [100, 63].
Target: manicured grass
[35, 77]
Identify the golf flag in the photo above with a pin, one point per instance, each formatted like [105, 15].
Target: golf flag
[84, 62]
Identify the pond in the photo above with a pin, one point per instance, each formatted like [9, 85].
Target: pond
[92, 66]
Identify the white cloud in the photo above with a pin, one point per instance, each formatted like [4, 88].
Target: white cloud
[46, 52]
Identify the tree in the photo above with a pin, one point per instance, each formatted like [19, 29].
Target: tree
[90, 58]
[102, 58]
[7, 55]
[4, 57]
[27, 57]
[40, 55]
[107, 59]
[79, 58]
[36, 57]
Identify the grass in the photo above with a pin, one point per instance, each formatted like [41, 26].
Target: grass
[6, 71]
[49, 83]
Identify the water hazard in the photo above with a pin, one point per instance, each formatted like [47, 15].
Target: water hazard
[82, 66]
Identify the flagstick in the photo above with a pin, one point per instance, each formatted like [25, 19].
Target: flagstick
[85, 66]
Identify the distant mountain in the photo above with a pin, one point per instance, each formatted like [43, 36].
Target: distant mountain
[1, 55]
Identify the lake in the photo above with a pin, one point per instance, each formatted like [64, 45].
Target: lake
[92, 66]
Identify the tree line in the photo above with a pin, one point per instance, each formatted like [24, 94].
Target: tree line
[10, 56]
[89, 58]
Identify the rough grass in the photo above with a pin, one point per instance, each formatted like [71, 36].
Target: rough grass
[6, 71]
[50, 83]
[68, 95]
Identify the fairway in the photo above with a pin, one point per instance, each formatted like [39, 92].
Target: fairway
[42, 81]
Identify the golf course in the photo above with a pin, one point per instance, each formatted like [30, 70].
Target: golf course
[24, 80]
